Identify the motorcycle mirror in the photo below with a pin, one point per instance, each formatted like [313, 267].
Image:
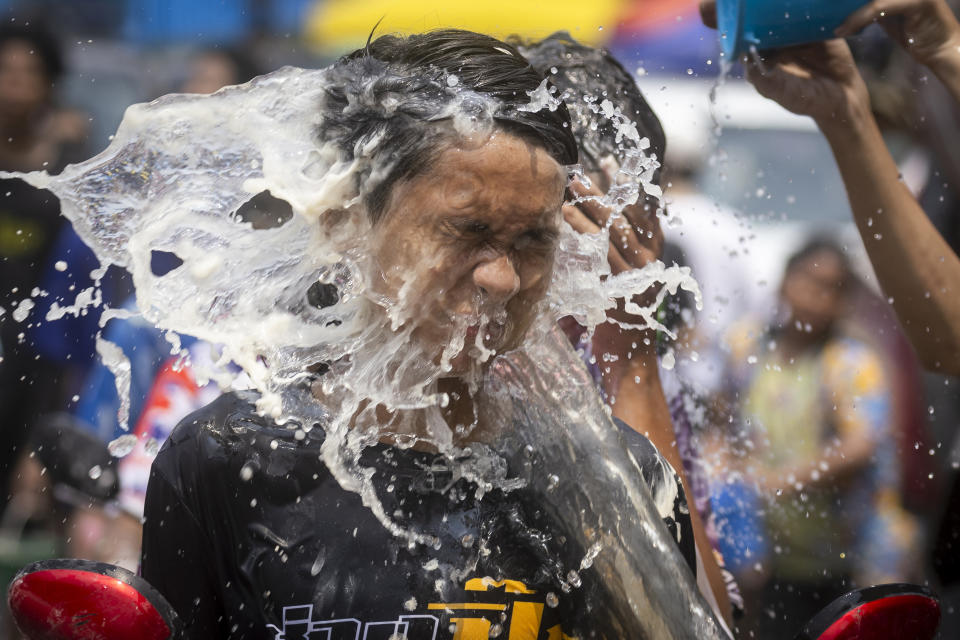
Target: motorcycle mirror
[883, 612]
[69, 599]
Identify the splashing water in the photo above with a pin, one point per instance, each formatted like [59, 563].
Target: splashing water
[173, 179]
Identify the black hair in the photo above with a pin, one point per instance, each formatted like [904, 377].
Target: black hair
[41, 42]
[586, 71]
[385, 100]
[822, 244]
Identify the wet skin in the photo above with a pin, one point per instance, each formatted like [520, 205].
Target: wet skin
[474, 236]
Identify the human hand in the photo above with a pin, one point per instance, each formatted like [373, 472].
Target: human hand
[819, 80]
[708, 13]
[636, 239]
[635, 236]
[927, 29]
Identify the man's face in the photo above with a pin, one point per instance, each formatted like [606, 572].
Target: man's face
[468, 245]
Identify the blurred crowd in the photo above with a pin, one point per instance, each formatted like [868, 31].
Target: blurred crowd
[824, 454]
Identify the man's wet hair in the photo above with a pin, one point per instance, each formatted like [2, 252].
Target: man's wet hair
[386, 100]
[42, 43]
[583, 70]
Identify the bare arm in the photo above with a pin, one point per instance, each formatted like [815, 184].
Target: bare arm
[914, 264]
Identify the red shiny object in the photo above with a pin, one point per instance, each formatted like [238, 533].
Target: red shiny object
[70, 604]
[906, 617]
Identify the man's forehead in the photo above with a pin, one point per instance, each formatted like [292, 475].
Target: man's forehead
[469, 175]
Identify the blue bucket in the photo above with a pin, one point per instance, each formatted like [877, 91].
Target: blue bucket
[771, 24]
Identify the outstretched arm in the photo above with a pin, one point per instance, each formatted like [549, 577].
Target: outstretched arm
[914, 264]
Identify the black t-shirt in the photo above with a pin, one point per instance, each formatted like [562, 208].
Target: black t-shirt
[248, 535]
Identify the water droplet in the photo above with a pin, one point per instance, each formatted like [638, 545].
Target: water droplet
[151, 446]
[119, 447]
[574, 579]
[60, 265]
[552, 600]
[95, 472]
[467, 541]
[669, 360]
[246, 472]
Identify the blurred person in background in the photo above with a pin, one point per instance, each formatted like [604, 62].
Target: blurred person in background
[66, 486]
[163, 386]
[35, 134]
[815, 407]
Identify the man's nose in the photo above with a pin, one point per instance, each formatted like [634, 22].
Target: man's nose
[497, 278]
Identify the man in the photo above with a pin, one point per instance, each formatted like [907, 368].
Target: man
[248, 532]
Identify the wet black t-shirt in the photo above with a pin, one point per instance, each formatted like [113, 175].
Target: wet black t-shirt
[248, 535]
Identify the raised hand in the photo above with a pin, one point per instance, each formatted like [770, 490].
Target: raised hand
[818, 80]
[925, 28]
[636, 239]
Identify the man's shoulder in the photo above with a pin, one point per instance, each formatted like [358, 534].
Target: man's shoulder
[205, 438]
[230, 413]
